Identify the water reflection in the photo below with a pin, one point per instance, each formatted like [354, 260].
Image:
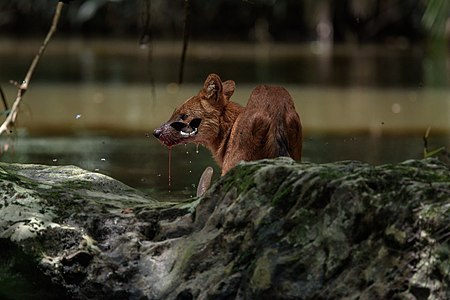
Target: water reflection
[94, 62]
[114, 109]
[142, 162]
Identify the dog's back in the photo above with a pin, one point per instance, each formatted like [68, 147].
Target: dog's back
[268, 127]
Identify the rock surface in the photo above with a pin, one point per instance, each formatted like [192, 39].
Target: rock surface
[272, 229]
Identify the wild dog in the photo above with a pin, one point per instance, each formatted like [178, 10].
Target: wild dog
[267, 127]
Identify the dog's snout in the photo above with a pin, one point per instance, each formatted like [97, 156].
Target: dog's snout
[157, 132]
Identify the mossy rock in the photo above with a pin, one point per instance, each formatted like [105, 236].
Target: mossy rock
[272, 229]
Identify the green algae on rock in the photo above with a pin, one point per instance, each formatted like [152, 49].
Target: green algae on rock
[271, 229]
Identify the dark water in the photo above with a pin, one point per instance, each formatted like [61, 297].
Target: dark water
[142, 162]
[90, 61]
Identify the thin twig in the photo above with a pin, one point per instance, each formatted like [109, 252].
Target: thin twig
[147, 41]
[429, 153]
[425, 142]
[2, 94]
[186, 32]
[8, 124]
[146, 35]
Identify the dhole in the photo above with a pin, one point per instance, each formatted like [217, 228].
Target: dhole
[267, 127]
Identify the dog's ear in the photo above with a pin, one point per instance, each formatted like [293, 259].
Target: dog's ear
[212, 88]
[228, 88]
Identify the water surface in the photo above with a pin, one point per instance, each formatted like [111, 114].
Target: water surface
[142, 162]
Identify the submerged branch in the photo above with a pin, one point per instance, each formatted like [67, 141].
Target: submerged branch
[8, 124]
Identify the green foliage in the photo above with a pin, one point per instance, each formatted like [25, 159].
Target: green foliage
[435, 17]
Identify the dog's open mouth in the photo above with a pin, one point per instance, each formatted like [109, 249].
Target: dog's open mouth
[187, 130]
[193, 132]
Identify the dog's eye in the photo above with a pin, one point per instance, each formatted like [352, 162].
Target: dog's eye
[183, 117]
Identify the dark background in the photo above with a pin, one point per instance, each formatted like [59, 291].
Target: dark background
[358, 21]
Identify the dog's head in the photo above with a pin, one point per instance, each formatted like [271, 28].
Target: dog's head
[197, 119]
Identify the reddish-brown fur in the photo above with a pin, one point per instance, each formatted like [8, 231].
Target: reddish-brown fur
[267, 127]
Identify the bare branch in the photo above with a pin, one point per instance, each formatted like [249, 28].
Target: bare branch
[186, 32]
[2, 94]
[430, 153]
[146, 36]
[146, 41]
[8, 124]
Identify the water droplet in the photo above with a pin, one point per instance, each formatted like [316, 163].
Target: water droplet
[187, 152]
[172, 88]
[98, 98]
[396, 108]
[77, 116]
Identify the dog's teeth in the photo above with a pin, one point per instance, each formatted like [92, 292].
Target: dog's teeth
[188, 133]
